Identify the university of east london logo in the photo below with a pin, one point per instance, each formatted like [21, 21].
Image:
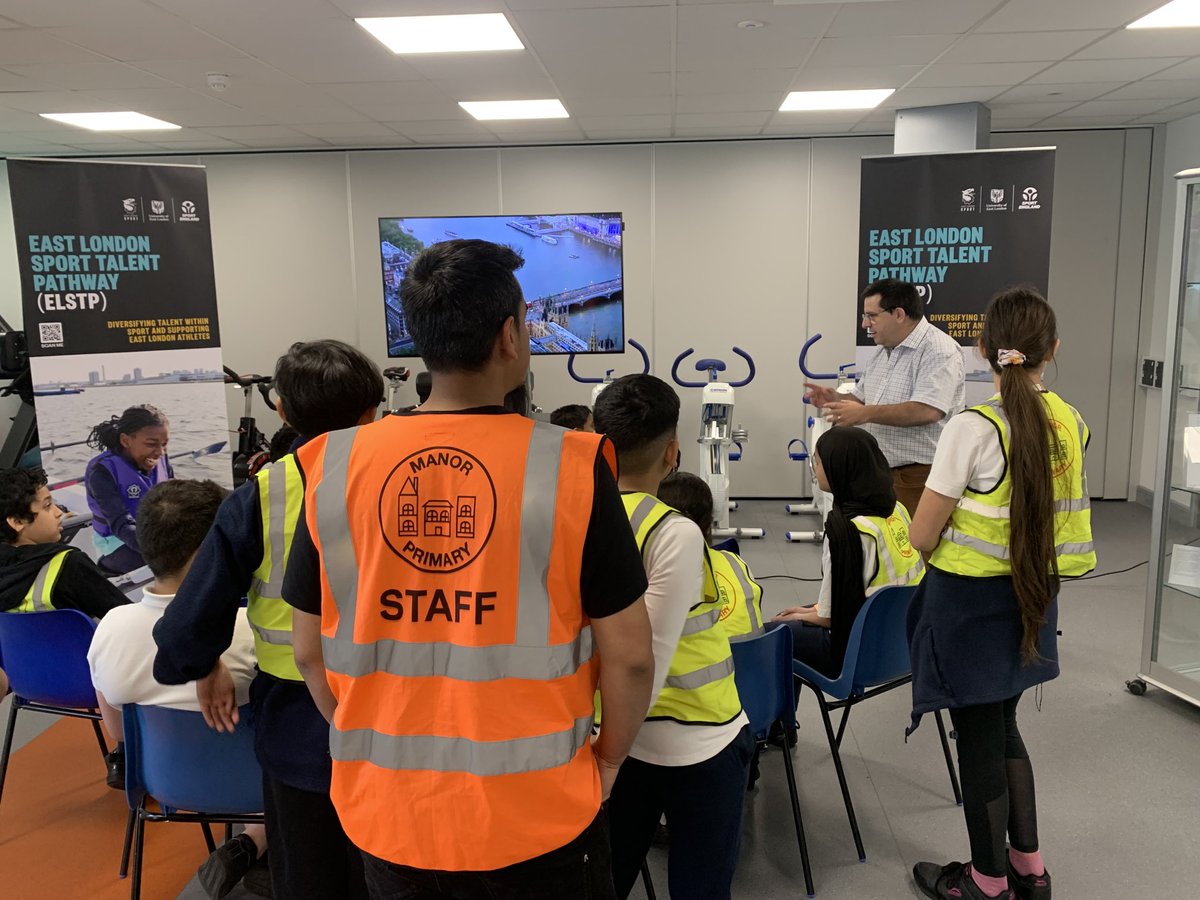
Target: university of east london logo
[437, 509]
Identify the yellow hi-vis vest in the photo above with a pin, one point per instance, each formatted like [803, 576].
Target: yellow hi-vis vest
[976, 542]
[699, 689]
[280, 494]
[37, 598]
[728, 577]
[897, 561]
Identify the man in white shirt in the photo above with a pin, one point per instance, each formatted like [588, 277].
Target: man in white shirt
[691, 758]
[172, 521]
[909, 390]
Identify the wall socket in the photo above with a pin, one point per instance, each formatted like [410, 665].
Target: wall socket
[1152, 372]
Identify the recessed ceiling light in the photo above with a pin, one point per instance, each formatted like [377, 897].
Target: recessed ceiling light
[799, 101]
[490, 110]
[112, 121]
[443, 34]
[1176, 14]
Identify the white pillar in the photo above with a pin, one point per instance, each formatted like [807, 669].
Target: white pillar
[954, 128]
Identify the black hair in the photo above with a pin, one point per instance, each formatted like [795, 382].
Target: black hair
[517, 401]
[895, 294]
[424, 384]
[326, 385]
[18, 491]
[107, 435]
[456, 297]
[573, 416]
[173, 519]
[639, 414]
[281, 442]
[691, 495]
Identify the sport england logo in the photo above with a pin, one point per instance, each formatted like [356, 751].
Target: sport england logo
[437, 509]
[158, 211]
[969, 200]
[130, 210]
[187, 212]
[997, 201]
[1029, 199]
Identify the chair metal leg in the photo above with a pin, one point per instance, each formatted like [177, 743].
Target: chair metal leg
[648, 882]
[791, 780]
[208, 837]
[228, 831]
[958, 798]
[841, 774]
[100, 738]
[127, 844]
[8, 741]
[842, 725]
[139, 835]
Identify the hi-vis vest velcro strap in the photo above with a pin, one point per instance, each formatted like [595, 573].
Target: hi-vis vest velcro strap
[38, 597]
[748, 591]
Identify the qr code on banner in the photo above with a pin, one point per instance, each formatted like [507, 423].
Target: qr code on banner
[51, 334]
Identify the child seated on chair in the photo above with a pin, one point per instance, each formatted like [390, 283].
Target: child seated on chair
[866, 547]
[37, 570]
[172, 520]
[726, 573]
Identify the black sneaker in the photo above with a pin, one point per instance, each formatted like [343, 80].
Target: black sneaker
[951, 882]
[114, 761]
[1029, 887]
[258, 880]
[227, 865]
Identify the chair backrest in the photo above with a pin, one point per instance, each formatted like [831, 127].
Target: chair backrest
[178, 760]
[877, 651]
[45, 657]
[763, 673]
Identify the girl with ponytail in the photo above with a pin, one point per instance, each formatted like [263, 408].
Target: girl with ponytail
[133, 459]
[1005, 515]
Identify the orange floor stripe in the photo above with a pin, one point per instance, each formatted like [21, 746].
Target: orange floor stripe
[61, 827]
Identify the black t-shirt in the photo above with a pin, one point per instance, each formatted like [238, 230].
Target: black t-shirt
[612, 575]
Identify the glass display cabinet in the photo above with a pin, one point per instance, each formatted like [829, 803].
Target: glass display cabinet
[1171, 642]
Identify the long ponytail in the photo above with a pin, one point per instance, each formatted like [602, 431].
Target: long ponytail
[1019, 335]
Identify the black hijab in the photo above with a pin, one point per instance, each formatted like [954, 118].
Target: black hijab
[861, 483]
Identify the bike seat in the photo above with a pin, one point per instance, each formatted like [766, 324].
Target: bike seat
[396, 372]
[704, 365]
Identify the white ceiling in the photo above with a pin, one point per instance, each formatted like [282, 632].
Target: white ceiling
[303, 75]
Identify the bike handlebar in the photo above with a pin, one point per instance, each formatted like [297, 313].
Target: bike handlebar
[245, 381]
[699, 384]
[591, 380]
[816, 376]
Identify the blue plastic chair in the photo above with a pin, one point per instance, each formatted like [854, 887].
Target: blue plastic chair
[877, 660]
[763, 673]
[194, 773]
[45, 658]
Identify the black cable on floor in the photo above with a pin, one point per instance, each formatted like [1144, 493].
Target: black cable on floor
[789, 577]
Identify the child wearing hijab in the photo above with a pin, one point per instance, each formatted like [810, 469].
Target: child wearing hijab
[866, 546]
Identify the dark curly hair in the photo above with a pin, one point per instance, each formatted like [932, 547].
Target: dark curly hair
[18, 491]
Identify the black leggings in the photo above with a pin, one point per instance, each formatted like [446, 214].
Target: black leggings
[997, 784]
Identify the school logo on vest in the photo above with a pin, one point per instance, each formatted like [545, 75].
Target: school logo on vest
[900, 535]
[726, 594]
[1062, 452]
[437, 509]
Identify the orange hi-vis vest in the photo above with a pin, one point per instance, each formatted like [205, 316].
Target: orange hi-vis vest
[454, 634]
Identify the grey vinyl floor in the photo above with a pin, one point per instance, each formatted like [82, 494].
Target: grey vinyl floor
[1118, 776]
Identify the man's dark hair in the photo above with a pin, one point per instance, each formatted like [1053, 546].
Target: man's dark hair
[18, 491]
[640, 415]
[691, 495]
[456, 295]
[326, 385]
[573, 416]
[895, 294]
[424, 384]
[173, 519]
[281, 442]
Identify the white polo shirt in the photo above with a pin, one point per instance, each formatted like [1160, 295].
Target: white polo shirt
[926, 367]
[121, 658]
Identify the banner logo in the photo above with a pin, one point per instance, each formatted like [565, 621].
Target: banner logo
[187, 212]
[970, 200]
[130, 207]
[1029, 199]
[997, 195]
[157, 207]
[968, 195]
[997, 200]
[158, 211]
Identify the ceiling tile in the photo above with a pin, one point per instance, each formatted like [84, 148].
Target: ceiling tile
[314, 114]
[245, 133]
[193, 72]
[833, 78]
[24, 46]
[55, 102]
[1038, 15]
[521, 5]
[215, 113]
[420, 7]
[1127, 108]
[143, 37]
[709, 35]
[620, 106]
[1029, 110]
[1012, 123]
[44, 14]
[346, 130]
[730, 81]
[601, 41]
[1103, 70]
[466, 127]
[583, 83]
[952, 74]
[89, 76]
[910, 17]
[150, 100]
[1179, 89]
[1140, 43]
[1188, 69]
[454, 140]
[416, 111]
[300, 142]
[374, 93]
[934, 96]
[478, 67]
[10, 82]
[1083, 122]
[201, 144]
[1056, 93]
[1173, 113]
[1050, 46]
[741, 119]
[524, 87]
[717, 131]
[885, 51]
[625, 123]
[766, 101]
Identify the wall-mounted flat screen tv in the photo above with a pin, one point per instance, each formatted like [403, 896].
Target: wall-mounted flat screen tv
[573, 278]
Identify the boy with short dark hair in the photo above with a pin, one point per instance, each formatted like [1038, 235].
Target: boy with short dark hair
[322, 385]
[574, 416]
[690, 760]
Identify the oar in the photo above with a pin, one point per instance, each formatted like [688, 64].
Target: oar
[192, 454]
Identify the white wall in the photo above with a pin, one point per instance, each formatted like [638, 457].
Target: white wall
[750, 243]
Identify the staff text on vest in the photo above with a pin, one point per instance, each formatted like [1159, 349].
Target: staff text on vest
[425, 605]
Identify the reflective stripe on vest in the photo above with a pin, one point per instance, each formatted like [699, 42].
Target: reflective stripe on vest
[897, 562]
[741, 614]
[280, 495]
[39, 596]
[976, 541]
[699, 688]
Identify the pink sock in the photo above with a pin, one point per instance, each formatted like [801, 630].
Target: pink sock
[993, 887]
[1027, 863]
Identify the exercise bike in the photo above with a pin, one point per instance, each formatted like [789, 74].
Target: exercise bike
[602, 383]
[395, 376]
[253, 447]
[721, 440]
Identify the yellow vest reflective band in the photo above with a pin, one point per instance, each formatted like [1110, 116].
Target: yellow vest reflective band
[977, 540]
[699, 689]
[740, 595]
[37, 599]
[897, 561]
[280, 494]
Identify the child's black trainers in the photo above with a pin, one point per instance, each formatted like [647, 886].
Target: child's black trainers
[950, 882]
